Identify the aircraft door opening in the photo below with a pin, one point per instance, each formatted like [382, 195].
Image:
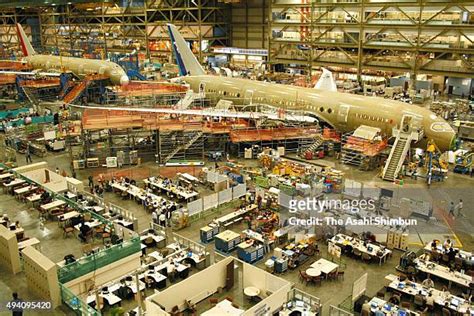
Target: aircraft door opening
[248, 97]
[202, 87]
[343, 113]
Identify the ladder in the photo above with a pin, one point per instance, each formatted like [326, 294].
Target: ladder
[410, 130]
[188, 100]
[30, 96]
[318, 141]
[397, 157]
[77, 91]
[183, 147]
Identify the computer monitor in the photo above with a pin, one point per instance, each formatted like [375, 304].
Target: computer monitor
[455, 302]
[402, 313]
[299, 304]
[289, 304]
[387, 307]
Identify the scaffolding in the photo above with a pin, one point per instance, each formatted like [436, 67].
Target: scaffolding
[363, 153]
[415, 36]
[96, 29]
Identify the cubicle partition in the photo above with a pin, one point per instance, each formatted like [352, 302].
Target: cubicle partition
[201, 207]
[191, 291]
[126, 253]
[78, 306]
[98, 260]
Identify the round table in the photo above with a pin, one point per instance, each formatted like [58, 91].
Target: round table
[251, 291]
[312, 272]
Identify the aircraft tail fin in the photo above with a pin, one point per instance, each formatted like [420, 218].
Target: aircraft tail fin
[326, 81]
[25, 44]
[187, 62]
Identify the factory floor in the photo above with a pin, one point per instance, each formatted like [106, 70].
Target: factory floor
[459, 228]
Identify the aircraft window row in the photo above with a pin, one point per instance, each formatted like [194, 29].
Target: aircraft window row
[373, 118]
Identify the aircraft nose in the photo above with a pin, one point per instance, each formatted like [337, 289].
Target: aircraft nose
[124, 80]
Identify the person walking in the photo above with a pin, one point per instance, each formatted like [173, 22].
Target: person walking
[91, 181]
[16, 305]
[451, 209]
[459, 207]
[28, 153]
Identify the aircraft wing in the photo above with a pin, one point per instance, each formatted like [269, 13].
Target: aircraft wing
[210, 113]
[31, 73]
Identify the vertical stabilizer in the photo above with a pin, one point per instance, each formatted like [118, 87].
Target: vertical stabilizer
[326, 81]
[25, 44]
[187, 62]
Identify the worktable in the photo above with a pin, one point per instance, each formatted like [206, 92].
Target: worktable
[227, 241]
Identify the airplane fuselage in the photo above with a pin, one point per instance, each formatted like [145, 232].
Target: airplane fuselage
[343, 111]
[79, 66]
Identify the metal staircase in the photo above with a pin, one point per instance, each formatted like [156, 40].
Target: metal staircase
[30, 95]
[76, 92]
[318, 141]
[182, 147]
[397, 157]
[400, 148]
[189, 99]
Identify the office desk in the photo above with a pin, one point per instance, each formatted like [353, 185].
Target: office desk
[303, 308]
[124, 223]
[69, 215]
[159, 240]
[132, 285]
[443, 272]
[52, 205]
[13, 184]
[227, 241]
[155, 255]
[91, 224]
[111, 298]
[34, 198]
[325, 266]
[236, 216]
[439, 297]
[465, 255]
[223, 308]
[375, 252]
[25, 190]
[388, 308]
[158, 278]
[5, 176]
[70, 195]
[17, 231]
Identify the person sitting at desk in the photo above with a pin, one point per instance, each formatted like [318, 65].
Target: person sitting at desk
[17, 224]
[445, 293]
[84, 229]
[366, 308]
[45, 198]
[428, 283]
[434, 244]
[379, 312]
[451, 255]
[429, 302]
[466, 295]
[395, 299]
[426, 257]
[447, 244]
